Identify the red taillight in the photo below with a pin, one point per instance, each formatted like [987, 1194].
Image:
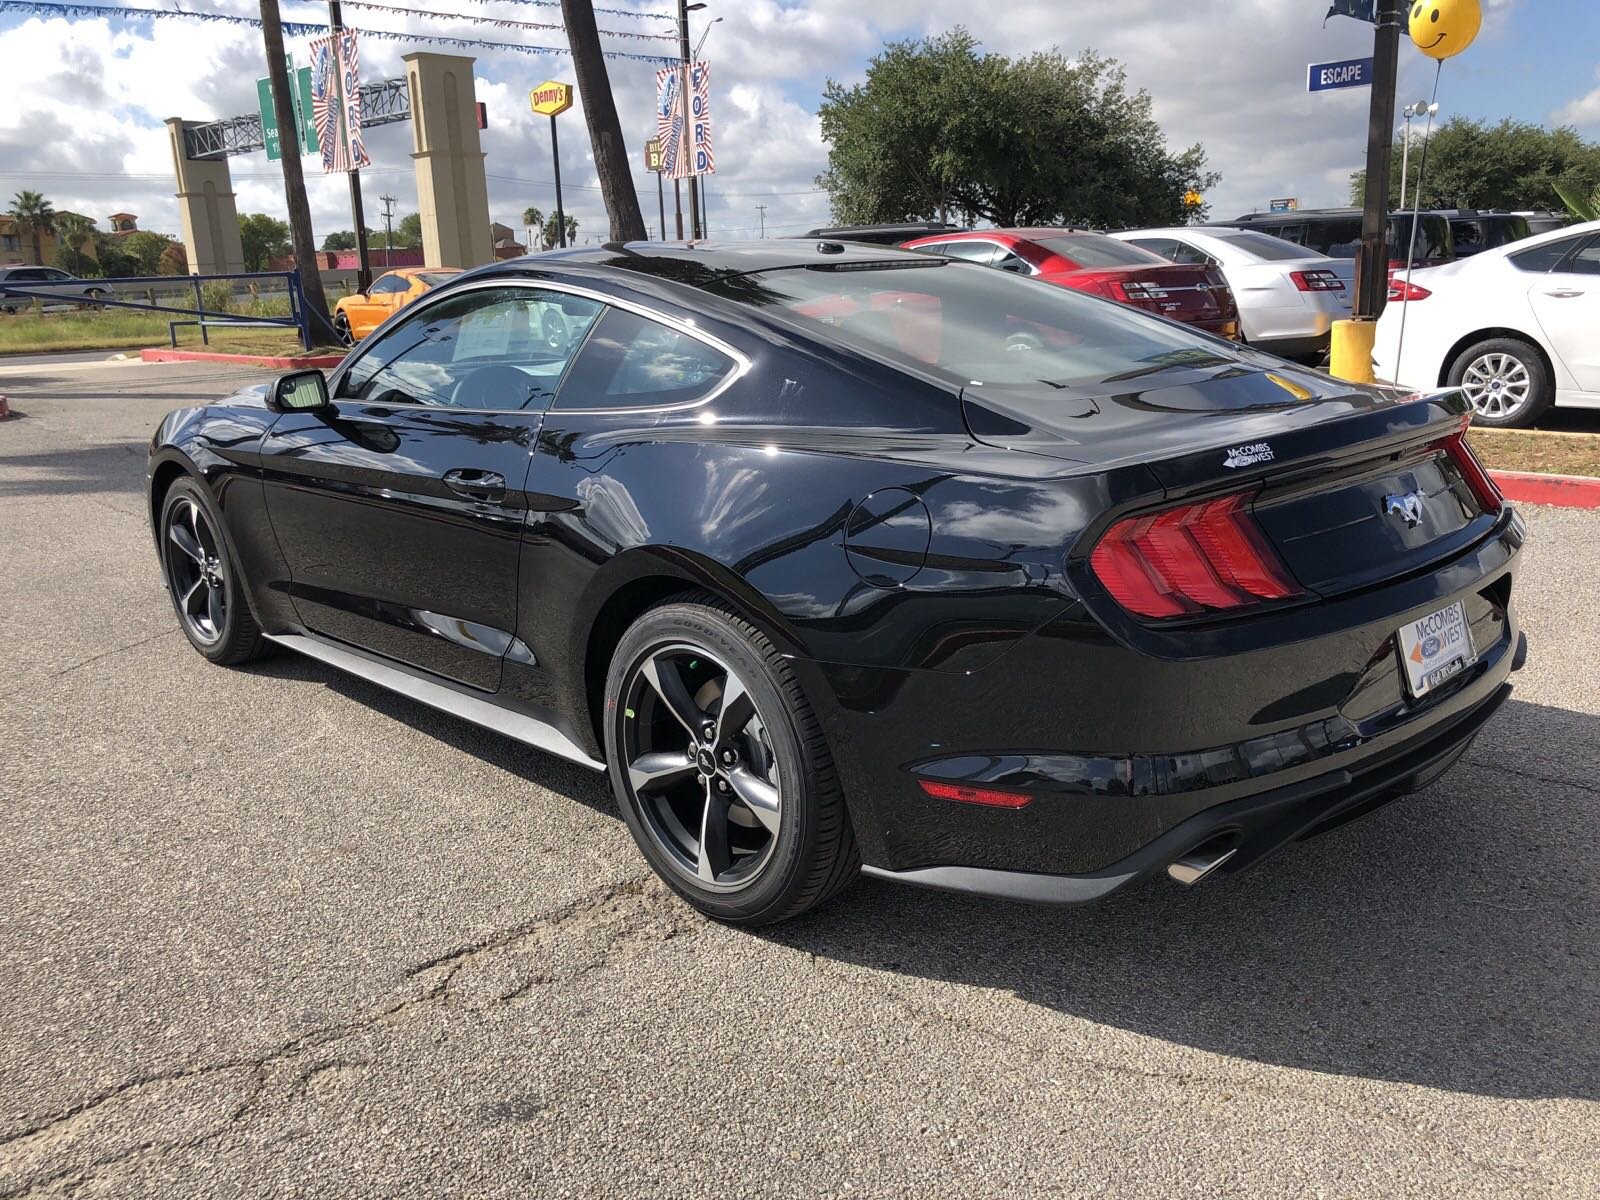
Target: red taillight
[1404, 289]
[1317, 281]
[972, 795]
[1472, 470]
[1205, 557]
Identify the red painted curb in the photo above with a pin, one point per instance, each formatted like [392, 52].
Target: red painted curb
[1562, 491]
[283, 362]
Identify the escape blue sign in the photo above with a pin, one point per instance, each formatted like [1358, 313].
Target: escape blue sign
[1351, 72]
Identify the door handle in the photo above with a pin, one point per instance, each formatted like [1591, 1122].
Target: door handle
[475, 484]
[1565, 293]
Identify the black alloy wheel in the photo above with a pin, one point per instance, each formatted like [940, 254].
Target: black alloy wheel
[341, 326]
[720, 767]
[206, 590]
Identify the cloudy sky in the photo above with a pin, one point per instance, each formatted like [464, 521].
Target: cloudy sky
[88, 94]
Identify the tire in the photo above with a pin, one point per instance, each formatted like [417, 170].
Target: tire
[786, 844]
[341, 326]
[203, 579]
[1506, 381]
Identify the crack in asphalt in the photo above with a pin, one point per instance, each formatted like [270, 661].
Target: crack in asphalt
[51, 1151]
[104, 654]
[1554, 780]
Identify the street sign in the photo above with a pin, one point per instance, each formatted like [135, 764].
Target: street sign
[1287, 204]
[303, 119]
[652, 156]
[1347, 73]
[550, 98]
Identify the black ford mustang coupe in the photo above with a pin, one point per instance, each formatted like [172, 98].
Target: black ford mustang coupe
[842, 558]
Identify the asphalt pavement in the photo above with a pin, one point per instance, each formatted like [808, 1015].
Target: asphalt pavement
[274, 932]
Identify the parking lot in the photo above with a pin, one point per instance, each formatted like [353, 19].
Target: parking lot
[276, 932]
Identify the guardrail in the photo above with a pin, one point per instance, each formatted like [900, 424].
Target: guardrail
[199, 315]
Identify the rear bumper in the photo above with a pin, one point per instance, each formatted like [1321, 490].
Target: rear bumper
[1247, 830]
[1133, 754]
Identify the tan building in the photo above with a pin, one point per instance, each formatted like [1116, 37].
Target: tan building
[16, 249]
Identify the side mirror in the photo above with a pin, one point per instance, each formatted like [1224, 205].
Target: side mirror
[298, 391]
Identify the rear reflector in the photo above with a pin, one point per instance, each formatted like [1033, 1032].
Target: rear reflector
[1196, 558]
[971, 795]
[1317, 281]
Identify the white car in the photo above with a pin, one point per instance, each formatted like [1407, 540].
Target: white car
[1288, 296]
[1517, 328]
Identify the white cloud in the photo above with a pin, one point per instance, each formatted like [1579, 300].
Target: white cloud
[86, 100]
[1584, 112]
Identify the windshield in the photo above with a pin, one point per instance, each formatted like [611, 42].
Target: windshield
[1264, 246]
[972, 325]
[1097, 250]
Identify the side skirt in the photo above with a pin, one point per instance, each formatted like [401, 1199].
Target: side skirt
[458, 701]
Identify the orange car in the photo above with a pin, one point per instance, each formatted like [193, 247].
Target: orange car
[359, 313]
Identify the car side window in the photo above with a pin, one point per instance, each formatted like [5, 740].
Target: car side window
[487, 348]
[978, 252]
[1165, 247]
[630, 361]
[1585, 261]
[388, 285]
[1010, 260]
[1547, 257]
[1184, 252]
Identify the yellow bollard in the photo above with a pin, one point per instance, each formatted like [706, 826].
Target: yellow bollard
[1350, 350]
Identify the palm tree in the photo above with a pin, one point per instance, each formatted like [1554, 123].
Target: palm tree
[600, 114]
[34, 217]
[73, 231]
[532, 222]
[1585, 208]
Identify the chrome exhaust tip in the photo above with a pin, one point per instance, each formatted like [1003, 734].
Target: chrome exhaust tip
[1197, 864]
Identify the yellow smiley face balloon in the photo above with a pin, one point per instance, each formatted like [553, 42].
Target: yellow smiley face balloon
[1444, 28]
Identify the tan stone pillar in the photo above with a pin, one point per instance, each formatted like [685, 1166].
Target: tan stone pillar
[452, 193]
[205, 205]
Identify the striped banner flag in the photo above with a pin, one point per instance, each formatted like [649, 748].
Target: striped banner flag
[669, 123]
[705, 161]
[336, 101]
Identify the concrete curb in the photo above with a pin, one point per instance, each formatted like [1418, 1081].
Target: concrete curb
[1561, 491]
[282, 362]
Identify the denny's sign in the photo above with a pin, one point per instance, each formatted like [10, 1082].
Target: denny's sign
[551, 99]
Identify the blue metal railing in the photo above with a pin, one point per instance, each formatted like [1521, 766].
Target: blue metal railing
[297, 319]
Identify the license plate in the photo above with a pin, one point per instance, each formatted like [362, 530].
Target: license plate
[1436, 648]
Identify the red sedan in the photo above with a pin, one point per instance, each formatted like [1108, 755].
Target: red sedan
[1091, 262]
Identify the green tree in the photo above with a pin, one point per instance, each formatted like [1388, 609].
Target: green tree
[938, 128]
[147, 248]
[409, 231]
[115, 261]
[1510, 164]
[33, 216]
[546, 231]
[73, 232]
[263, 238]
[343, 239]
[174, 260]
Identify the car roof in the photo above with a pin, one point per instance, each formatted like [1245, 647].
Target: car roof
[703, 262]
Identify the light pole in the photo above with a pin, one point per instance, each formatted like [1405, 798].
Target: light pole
[762, 209]
[684, 10]
[388, 228]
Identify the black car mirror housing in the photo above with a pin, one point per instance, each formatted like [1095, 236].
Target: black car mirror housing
[299, 391]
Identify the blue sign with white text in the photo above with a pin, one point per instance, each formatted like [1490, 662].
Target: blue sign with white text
[1352, 72]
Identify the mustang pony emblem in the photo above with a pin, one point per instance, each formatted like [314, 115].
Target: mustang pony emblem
[1407, 507]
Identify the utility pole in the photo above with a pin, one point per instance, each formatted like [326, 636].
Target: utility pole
[695, 231]
[388, 228]
[611, 161]
[363, 259]
[762, 209]
[294, 180]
